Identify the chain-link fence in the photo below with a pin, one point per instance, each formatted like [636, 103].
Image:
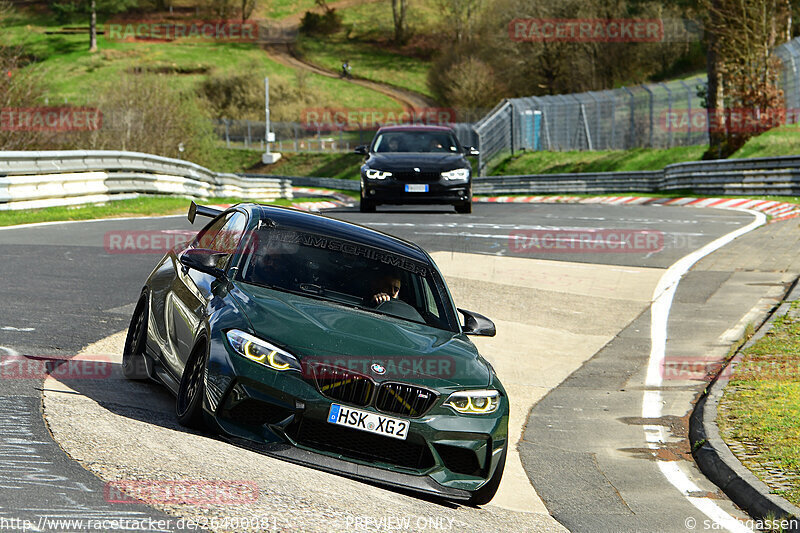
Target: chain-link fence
[298, 137]
[660, 115]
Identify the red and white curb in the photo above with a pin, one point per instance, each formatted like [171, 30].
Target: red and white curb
[777, 210]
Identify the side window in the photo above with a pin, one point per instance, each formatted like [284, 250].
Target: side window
[227, 239]
[207, 234]
[430, 301]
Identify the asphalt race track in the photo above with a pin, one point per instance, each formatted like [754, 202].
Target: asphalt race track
[573, 345]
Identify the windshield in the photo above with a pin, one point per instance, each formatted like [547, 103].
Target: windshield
[416, 141]
[347, 273]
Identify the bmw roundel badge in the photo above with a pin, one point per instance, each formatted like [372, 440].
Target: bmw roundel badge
[378, 369]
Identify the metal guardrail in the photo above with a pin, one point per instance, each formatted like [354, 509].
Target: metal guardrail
[309, 181]
[51, 178]
[40, 179]
[778, 176]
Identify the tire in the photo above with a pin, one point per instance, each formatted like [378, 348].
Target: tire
[134, 366]
[464, 208]
[484, 495]
[366, 206]
[189, 404]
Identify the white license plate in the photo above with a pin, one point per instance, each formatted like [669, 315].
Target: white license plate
[417, 187]
[369, 422]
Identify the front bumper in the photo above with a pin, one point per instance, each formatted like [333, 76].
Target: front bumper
[282, 414]
[391, 191]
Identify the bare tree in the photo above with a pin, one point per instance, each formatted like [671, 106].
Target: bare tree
[399, 18]
[743, 93]
[458, 17]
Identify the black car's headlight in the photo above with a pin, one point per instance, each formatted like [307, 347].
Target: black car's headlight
[375, 174]
[457, 174]
[474, 402]
[261, 351]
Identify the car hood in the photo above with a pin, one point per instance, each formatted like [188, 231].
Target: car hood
[317, 331]
[426, 162]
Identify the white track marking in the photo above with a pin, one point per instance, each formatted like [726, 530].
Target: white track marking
[9, 351]
[60, 222]
[652, 401]
[12, 328]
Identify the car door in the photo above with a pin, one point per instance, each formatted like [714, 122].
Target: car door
[187, 301]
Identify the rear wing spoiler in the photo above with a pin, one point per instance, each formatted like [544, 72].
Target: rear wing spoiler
[203, 211]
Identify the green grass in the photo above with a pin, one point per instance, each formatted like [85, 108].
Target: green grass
[784, 140]
[325, 165]
[761, 405]
[141, 206]
[365, 41]
[599, 161]
[368, 61]
[75, 75]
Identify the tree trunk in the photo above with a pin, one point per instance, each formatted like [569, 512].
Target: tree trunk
[93, 28]
[715, 96]
[399, 16]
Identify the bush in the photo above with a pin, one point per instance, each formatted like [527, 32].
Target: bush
[465, 83]
[325, 24]
[143, 113]
[241, 96]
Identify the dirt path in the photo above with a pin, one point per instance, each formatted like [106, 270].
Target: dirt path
[282, 53]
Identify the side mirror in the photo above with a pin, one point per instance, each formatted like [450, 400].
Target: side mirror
[204, 260]
[361, 149]
[475, 324]
[472, 151]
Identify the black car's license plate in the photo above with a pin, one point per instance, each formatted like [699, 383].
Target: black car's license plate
[417, 187]
[366, 421]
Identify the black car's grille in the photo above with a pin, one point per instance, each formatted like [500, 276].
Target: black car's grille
[343, 385]
[406, 400]
[460, 460]
[411, 176]
[364, 446]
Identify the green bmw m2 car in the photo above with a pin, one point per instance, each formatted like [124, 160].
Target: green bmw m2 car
[323, 343]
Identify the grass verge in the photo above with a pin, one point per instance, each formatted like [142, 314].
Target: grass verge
[759, 413]
[781, 141]
[142, 206]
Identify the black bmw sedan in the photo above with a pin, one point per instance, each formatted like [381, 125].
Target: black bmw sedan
[416, 165]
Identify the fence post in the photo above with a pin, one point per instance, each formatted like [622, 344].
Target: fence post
[669, 114]
[652, 102]
[632, 127]
[613, 119]
[689, 111]
[227, 133]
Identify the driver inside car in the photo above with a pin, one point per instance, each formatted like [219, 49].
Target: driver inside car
[385, 288]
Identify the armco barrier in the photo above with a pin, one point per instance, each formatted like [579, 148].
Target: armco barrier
[773, 176]
[40, 179]
[50, 178]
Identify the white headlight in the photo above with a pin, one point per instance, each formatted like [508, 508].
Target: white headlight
[377, 174]
[475, 402]
[457, 174]
[261, 351]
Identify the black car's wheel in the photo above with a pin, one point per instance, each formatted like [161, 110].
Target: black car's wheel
[189, 406]
[465, 207]
[366, 206]
[485, 494]
[134, 365]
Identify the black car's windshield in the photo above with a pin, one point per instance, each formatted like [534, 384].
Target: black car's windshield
[347, 273]
[415, 141]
